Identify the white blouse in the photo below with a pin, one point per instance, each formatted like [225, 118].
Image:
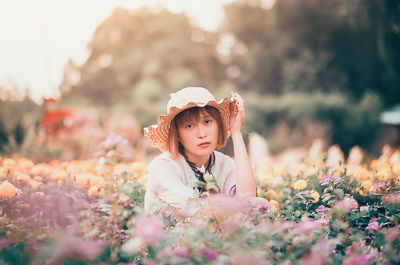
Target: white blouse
[172, 182]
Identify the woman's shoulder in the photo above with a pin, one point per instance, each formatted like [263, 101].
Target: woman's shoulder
[163, 160]
[222, 158]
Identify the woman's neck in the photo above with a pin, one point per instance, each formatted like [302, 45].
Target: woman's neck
[199, 161]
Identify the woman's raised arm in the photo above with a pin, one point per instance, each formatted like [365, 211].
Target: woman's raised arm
[245, 180]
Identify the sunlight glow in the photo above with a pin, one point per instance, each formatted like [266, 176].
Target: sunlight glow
[39, 37]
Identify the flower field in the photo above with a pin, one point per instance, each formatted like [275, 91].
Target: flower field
[322, 211]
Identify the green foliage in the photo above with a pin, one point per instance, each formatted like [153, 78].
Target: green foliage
[15, 119]
[350, 123]
[335, 46]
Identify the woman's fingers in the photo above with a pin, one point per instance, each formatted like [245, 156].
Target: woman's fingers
[239, 99]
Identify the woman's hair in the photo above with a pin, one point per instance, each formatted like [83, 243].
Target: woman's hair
[175, 147]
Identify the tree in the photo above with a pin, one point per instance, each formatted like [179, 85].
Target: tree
[332, 46]
[137, 58]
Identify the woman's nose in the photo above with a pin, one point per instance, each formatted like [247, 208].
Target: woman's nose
[201, 131]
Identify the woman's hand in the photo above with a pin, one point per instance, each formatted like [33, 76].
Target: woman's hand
[236, 121]
[245, 180]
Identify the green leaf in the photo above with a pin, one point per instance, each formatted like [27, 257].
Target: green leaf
[340, 193]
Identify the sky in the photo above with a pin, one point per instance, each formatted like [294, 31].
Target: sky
[37, 38]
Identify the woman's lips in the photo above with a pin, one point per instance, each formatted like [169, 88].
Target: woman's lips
[205, 144]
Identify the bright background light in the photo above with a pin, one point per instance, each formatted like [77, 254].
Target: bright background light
[38, 37]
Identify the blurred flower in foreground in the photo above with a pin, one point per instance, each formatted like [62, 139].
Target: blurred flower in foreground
[312, 258]
[393, 198]
[357, 259]
[181, 252]
[347, 204]
[76, 248]
[309, 225]
[8, 190]
[149, 229]
[392, 233]
[210, 254]
[252, 257]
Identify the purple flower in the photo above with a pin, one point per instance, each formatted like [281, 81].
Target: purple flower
[149, 229]
[181, 252]
[379, 186]
[321, 208]
[210, 254]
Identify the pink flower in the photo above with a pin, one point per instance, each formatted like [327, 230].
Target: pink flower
[198, 223]
[181, 252]
[392, 233]
[312, 258]
[322, 221]
[393, 198]
[264, 208]
[165, 253]
[166, 213]
[112, 140]
[338, 179]
[356, 260]
[308, 226]
[347, 204]
[149, 229]
[321, 208]
[379, 186]
[229, 226]
[325, 179]
[286, 226]
[373, 225]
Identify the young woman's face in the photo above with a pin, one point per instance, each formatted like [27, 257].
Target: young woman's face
[199, 137]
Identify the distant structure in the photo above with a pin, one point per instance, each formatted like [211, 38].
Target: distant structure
[391, 120]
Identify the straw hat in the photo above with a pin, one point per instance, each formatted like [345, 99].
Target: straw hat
[183, 99]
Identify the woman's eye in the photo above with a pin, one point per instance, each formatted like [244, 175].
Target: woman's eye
[189, 126]
[207, 121]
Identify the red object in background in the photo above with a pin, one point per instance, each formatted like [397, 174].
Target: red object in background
[53, 118]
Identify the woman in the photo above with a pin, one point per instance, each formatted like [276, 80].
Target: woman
[194, 126]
